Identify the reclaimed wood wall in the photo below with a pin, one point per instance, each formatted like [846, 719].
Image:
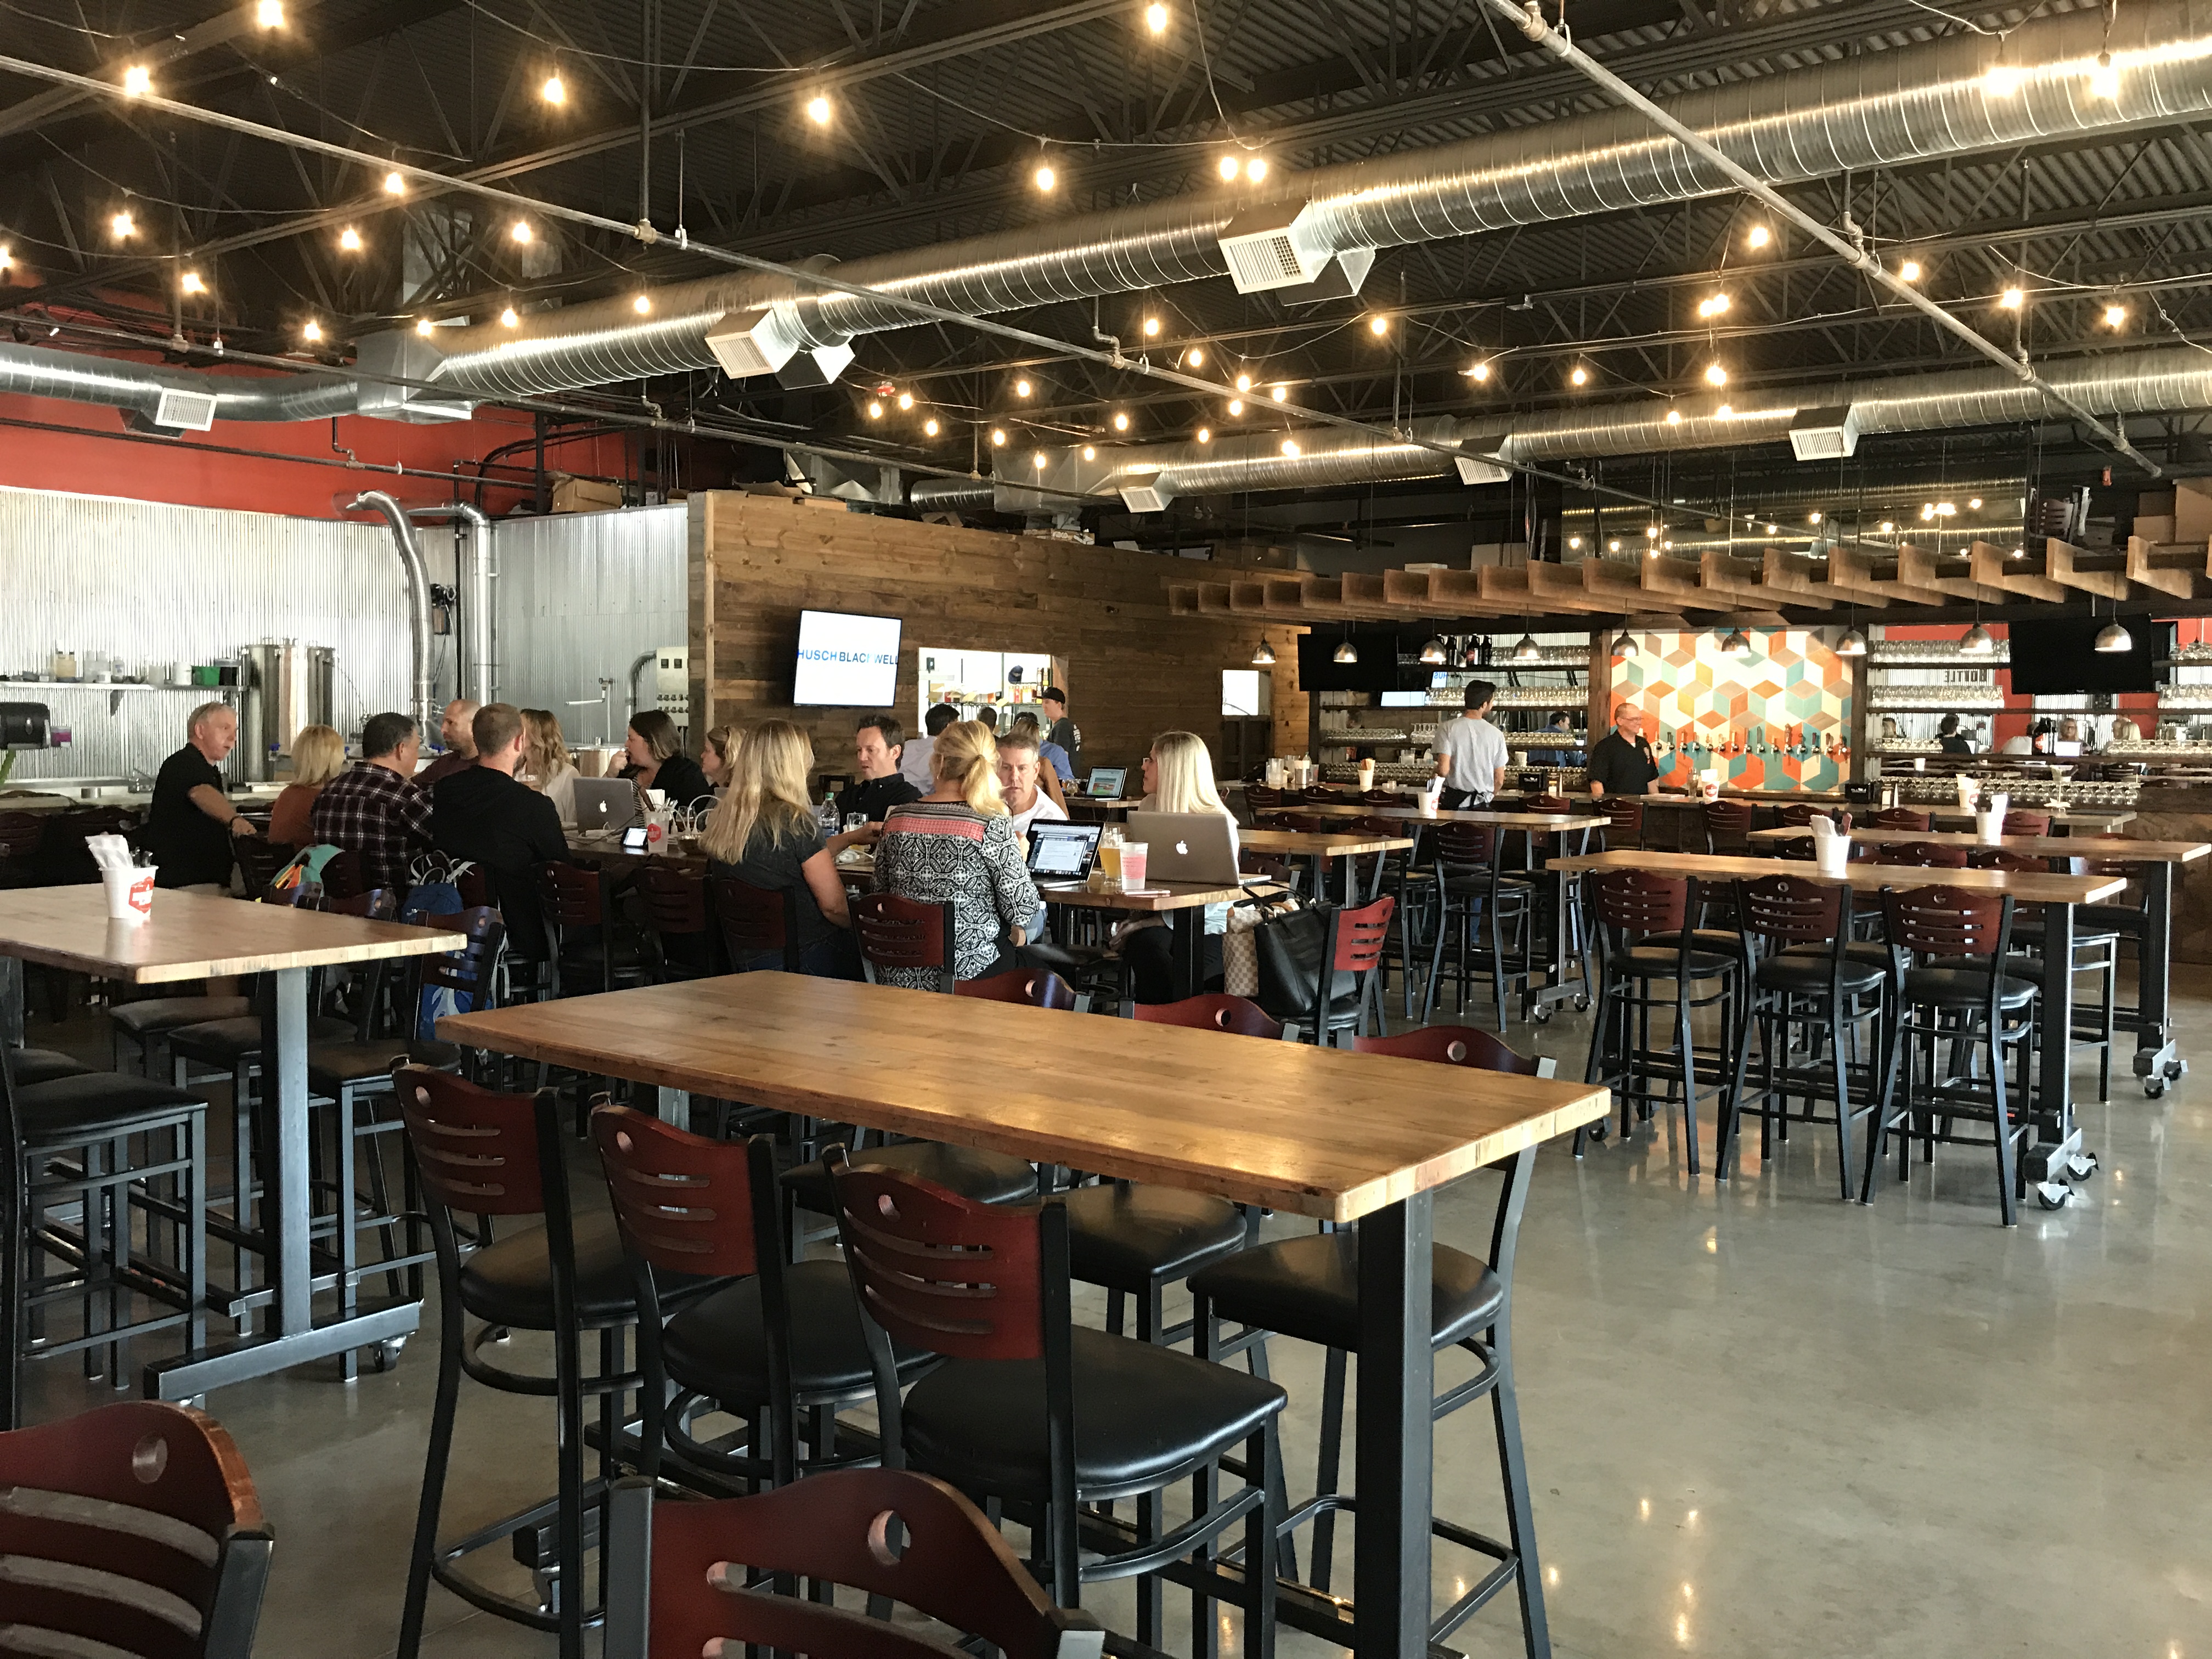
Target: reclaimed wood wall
[1130, 669]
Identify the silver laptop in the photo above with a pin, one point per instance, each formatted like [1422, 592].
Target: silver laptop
[1185, 847]
[606, 804]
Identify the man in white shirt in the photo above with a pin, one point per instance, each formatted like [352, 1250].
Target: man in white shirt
[1471, 755]
[1018, 782]
[914, 758]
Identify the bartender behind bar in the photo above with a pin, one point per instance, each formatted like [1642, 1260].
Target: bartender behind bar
[1621, 762]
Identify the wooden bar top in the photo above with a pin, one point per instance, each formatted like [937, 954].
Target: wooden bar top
[2053, 846]
[2029, 887]
[1326, 845]
[1317, 1132]
[194, 936]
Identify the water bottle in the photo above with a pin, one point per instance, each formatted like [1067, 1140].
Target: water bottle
[826, 814]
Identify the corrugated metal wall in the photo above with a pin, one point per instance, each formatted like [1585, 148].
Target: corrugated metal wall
[582, 595]
[164, 586]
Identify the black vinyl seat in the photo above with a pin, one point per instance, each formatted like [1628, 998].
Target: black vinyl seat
[1309, 1288]
[227, 1042]
[1120, 1235]
[35, 1066]
[1145, 1415]
[986, 1177]
[717, 1347]
[148, 1021]
[95, 1103]
[335, 1066]
[1808, 975]
[1951, 982]
[511, 1282]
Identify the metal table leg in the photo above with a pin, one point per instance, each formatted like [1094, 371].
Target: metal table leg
[2057, 1138]
[2158, 1055]
[673, 1105]
[1395, 1464]
[1190, 960]
[293, 1337]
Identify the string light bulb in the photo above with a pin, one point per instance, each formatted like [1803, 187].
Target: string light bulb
[1195, 357]
[1235, 405]
[270, 14]
[1713, 307]
[1156, 19]
[875, 410]
[1257, 168]
[1038, 460]
[997, 437]
[1121, 421]
[350, 240]
[906, 400]
[137, 81]
[1229, 167]
[1290, 448]
[2116, 316]
[1674, 417]
[192, 283]
[1022, 388]
[1715, 375]
[2104, 79]
[1206, 434]
[520, 231]
[1574, 543]
[1044, 178]
[1758, 236]
[2002, 81]
[423, 325]
[2012, 299]
[1243, 382]
[1090, 452]
[394, 184]
[312, 331]
[507, 318]
[1973, 503]
[1378, 325]
[1152, 328]
[1725, 411]
[642, 305]
[818, 110]
[554, 91]
[1580, 377]
[7, 260]
[1908, 271]
[929, 428]
[122, 227]
[1479, 374]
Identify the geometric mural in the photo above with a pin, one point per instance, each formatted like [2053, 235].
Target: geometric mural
[1777, 718]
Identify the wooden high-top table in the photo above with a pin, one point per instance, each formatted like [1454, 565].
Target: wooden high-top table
[2158, 1049]
[1363, 1138]
[1318, 849]
[190, 936]
[2058, 1140]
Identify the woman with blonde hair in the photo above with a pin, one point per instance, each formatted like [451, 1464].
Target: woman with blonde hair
[1178, 778]
[318, 756]
[715, 754]
[958, 843]
[764, 834]
[546, 765]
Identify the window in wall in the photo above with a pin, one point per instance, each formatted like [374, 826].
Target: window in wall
[1247, 691]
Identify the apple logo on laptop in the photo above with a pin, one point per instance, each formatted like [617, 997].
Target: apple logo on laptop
[1182, 849]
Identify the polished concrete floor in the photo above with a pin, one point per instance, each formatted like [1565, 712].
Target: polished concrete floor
[1760, 1421]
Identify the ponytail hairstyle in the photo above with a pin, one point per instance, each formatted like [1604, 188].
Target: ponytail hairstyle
[1183, 776]
[966, 758]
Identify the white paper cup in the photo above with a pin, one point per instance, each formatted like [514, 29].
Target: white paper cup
[656, 798]
[1832, 857]
[130, 893]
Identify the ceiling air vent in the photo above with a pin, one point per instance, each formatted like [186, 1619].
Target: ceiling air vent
[1143, 498]
[1471, 471]
[1274, 247]
[188, 411]
[1825, 434]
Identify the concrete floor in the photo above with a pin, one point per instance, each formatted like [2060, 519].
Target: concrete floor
[1760, 1421]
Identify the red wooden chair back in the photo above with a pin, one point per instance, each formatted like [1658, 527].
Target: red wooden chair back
[569, 896]
[1303, 824]
[1727, 825]
[1623, 822]
[1901, 817]
[342, 876]
[1547, 803]
[1455, 1045]
[1800, 814]
[755, 920]
[1463, 848]
[675, 900]
[1261, 798]
[1790, 910]
[1363, 935]
[131, 1528]
[1034, 986]
[1922, 855]
[898, 933]
[684, 1203]
[467, 971]
[1946, 922]
[677, 1573]
[479, 1151]
[2026, 824]
[1215, 1012]
[1381, 798]
[1638, 902]
[941, 1272]
[2003, 858]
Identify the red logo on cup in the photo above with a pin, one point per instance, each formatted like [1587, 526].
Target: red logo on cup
[653, 832]
[142, 895]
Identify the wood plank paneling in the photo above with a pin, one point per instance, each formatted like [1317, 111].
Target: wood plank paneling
[1132, 665]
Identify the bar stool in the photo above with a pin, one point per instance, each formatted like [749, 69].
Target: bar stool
[905, 936]
[1034, 987]
[1821, 993]
[488, 1154]
[1727, 827]
[1623, 822]
[679, 934]
[87, 1151]
[778, 1345]
[1473, 890]
[1964, 993]
[2026, 824]
[755, 923]
[580, 929]
[1645, 936]
[1032, 1408]
[1308, 1288]
[1344, 988]
[1900, 817]
[2096, 951]
[148, 1020]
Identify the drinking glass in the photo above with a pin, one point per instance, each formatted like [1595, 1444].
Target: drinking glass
[856, 821]
[1133, 855]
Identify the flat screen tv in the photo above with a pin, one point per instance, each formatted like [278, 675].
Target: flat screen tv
[1376, 671]
[2058, 656]
[846, 661]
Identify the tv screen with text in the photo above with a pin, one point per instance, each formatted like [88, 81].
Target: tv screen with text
[847, 661]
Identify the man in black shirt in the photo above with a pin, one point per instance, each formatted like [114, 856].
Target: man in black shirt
[1065, 732]
[1622, 764]
[191, 823]
[1949, 739]
[878, 742]
[505, 828]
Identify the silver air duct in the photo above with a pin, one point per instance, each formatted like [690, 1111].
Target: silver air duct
[177, 398]
[1147, 477]
[1312, 231]
[484, 688]
[418, 597]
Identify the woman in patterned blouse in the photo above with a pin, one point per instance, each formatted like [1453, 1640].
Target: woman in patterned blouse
[956, 843]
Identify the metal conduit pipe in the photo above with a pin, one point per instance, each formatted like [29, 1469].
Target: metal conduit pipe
[1911, 104]
[43, 372]
[418, 597]
[484, 688]
[2114, 384]
[643, 660]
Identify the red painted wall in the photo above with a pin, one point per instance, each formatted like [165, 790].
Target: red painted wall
[91, 458]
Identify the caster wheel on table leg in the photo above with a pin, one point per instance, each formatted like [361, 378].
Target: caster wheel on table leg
[2153, 1087]
[2053, 1195]
[1581, 1004]
[2081, 1165]
[386, 1354]
[1541, 1014]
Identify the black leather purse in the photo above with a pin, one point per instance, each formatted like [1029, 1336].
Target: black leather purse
[1292, 949]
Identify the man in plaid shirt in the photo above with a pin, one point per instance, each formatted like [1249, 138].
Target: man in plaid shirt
[375, 810]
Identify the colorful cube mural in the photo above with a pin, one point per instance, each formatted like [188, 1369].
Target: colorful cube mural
[1778, 718]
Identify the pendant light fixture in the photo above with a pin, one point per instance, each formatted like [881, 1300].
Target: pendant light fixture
[1853, 643]
[1977, 642]
[1435, 651]
[1738, 642]
[1528, 650]
[2113, 638]
[1623, 644]
[1346, 652]
[1263, 655]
